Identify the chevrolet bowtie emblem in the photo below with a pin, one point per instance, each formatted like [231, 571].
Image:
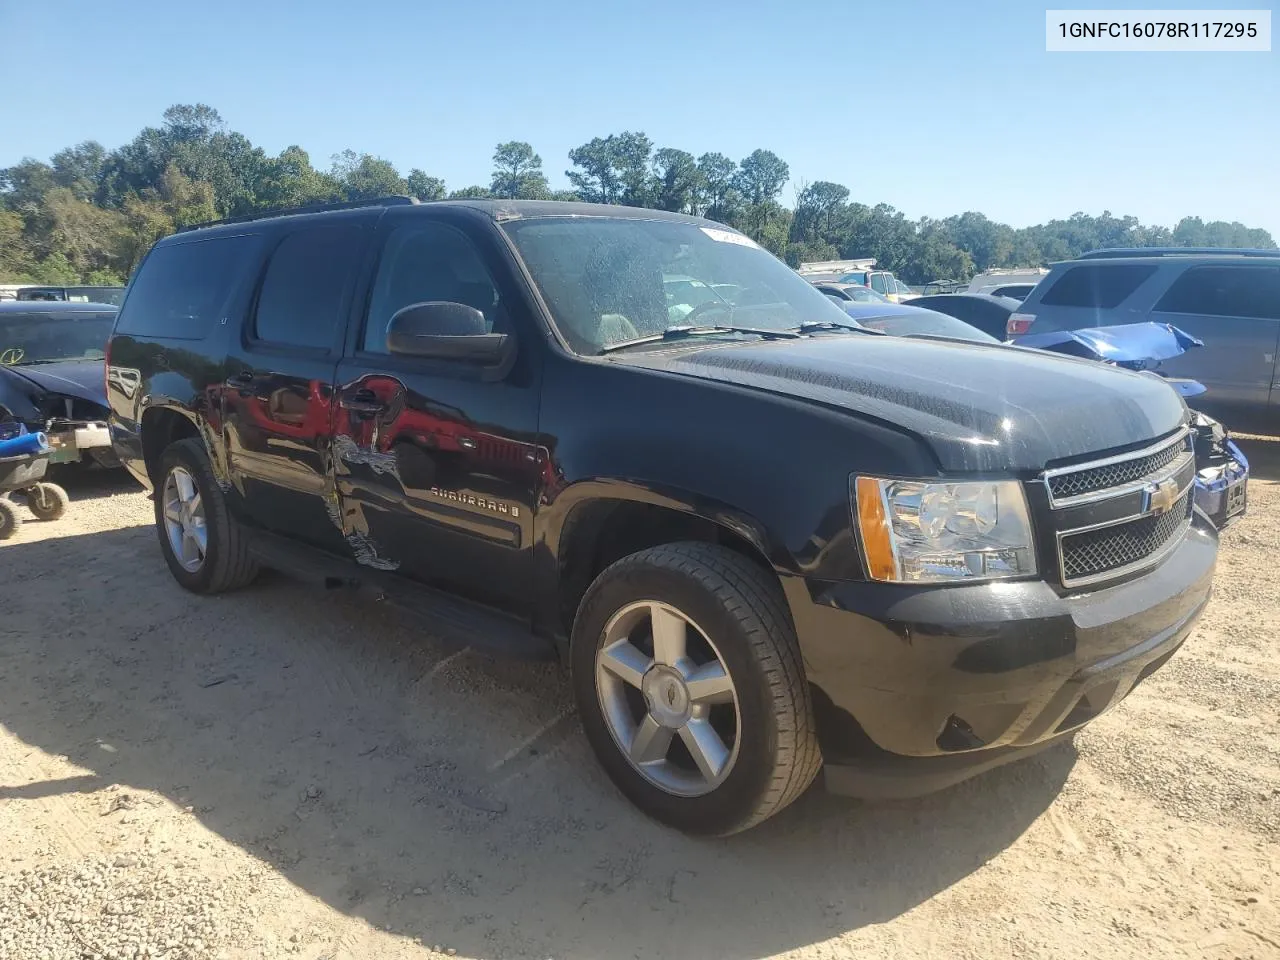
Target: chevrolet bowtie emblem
[1162, 496]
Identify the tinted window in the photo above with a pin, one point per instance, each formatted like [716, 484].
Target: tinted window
[426, 262]
[304, 290]
[1096, 285]
[1225, 292]
[183, 288]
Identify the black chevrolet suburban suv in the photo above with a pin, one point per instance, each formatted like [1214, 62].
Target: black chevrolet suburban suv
[766, 542]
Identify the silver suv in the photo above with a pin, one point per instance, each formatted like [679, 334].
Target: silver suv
[1230, 299]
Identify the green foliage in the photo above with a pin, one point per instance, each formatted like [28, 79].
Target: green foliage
[90, 214]
[679, 182]
[470, 193]
[363, 176]
[517, 173]
[424, 187]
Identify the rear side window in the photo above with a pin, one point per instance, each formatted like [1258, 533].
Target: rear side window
[303, 297]
[1225, 292]
[1097, 285]
[183, 288]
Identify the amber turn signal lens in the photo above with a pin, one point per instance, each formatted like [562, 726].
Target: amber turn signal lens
[874, 525]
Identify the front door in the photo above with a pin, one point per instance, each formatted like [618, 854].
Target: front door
[278, 396]
[1235, 310]
[437, 463]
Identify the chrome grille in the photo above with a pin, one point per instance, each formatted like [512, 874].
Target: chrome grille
[1093, 479]
[1116, 547]
[1110, 514]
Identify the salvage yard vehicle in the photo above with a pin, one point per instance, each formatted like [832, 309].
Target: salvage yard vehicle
[51, 376]
[767, 542]
[1228, 298]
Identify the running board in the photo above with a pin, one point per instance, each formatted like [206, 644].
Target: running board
[454, 619]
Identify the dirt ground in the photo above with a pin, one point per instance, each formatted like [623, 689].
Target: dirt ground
[289, 771]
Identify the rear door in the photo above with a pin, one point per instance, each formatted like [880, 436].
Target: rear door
[278, 393]
[437, 466]
[1235, 310]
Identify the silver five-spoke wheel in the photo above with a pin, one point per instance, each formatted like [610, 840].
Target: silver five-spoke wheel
[184, 519]
[668, 699]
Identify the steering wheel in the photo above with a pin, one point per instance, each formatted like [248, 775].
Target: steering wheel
[11, 356]
[702, 308]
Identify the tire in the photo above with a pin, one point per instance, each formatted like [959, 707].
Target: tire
[47, 501]
[225, 563]
[10, 519]
[734, 609]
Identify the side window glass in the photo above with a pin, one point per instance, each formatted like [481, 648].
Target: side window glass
[1094, 285]
[304, 290]
[182, 288]
[1225, 292]
[428, 262]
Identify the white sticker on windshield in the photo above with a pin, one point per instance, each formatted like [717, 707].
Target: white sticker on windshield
[728, 236]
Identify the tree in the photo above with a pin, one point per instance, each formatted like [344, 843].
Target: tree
[471, 193]
[760, 178]
[613, 169]
[79, 168]
[24, 185]
[596, 180]
[814, 209]
[363, 176]
[517, 172]
[719, 197]
[289, 180]
[424, 187]
[678, 180]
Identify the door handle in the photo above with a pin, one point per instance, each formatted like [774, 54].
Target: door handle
[365, 403]
[241, 382]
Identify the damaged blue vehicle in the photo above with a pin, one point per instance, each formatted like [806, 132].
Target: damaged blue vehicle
[1222, 470]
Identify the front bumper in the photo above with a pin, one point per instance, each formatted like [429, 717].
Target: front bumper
[73, 441]
[1222, 488]
[918, 688]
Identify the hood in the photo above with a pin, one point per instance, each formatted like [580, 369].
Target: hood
[978, 407]
[80, 379]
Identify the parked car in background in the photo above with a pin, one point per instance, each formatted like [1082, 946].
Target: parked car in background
[1230, 299]
[988, 313]
[882, 282]
[1013, 291]
[855, 292]
[51, 376]
[111, 295]
[1005, 278]
[833, 270]
[908, 320]
[934, 287]
[767, 542]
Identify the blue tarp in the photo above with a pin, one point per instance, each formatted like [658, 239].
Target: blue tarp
[1137, 346]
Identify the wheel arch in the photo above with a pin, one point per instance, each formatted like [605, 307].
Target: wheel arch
[596, 523]
[162, 425]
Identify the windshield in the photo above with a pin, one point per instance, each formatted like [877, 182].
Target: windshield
[926, 323]
[35, 337]
[902, 287]
[609, 280]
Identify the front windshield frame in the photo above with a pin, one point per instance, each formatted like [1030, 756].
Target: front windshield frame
[36, 336]
[594, 280]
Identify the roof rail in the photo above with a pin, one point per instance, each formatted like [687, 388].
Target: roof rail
[1116, 252]
[392, 201]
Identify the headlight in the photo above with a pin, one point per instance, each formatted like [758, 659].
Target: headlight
[917, 532]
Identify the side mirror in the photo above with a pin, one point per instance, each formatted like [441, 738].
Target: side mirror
[444, 331]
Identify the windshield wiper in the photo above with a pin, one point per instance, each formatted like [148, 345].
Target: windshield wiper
[817, 326]
[679, 333]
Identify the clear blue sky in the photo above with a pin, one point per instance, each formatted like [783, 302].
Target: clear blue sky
[934, 107]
